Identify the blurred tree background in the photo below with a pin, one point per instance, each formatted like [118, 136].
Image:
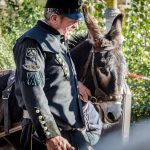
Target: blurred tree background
[19, 15]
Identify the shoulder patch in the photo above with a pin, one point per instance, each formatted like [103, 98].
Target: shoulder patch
[31, 67]
[31, 52]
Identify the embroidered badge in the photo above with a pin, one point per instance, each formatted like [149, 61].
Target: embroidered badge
[31, 52]
[34, 78]
[31, 67]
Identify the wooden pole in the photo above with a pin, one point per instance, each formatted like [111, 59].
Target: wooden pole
[126, 115]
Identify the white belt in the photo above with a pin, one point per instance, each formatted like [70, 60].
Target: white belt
[26, 114]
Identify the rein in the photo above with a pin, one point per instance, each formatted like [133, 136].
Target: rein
[100, 95]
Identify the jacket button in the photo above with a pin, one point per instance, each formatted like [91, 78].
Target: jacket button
[40, 117]
[67, 74]
[57, 56]
[48, 133]
[43, 122]
[37, 111]
[60, 60]
[66, 69]
[45, 128]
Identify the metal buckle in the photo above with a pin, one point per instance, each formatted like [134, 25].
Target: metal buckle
[5, 94]
[79, 129]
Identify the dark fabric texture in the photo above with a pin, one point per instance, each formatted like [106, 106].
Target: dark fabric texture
[27, 140]
[26, 135]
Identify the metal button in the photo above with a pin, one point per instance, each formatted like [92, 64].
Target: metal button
[67, 74]
[65, 68]
[40, 117]
[48, 133]
[57, 56]
[37, 111]
[43, 122]
[60, 60]
[45, 128]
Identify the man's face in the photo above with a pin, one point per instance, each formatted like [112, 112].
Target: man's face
[65, 25]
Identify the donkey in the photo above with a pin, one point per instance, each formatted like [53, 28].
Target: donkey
[101, 66]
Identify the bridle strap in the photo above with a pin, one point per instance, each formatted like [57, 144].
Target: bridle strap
[110, 97]
[97, 89]
[91, 56]
[92, 69]
[101, 99]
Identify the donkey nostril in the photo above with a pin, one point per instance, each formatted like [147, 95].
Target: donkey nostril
[111, 116]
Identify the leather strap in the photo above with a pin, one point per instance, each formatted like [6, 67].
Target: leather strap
[26, 114]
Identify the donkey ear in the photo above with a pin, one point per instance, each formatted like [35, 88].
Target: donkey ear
[116, 28]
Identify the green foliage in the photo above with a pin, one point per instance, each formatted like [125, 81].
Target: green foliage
[137, 50]
[16, 19]
[97, 10]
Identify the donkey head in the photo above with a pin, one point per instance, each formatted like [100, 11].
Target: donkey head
[108, 67]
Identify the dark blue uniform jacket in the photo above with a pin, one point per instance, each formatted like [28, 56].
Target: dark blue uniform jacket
[46, 83]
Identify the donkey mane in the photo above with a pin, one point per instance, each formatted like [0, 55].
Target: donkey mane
[76, 40]
[79, 48]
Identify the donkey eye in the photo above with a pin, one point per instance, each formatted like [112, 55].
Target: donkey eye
[103, 70]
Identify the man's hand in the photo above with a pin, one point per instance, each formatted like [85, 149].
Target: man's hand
[85, 93]
[58, 143]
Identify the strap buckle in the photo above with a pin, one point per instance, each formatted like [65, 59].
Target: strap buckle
[6, 94]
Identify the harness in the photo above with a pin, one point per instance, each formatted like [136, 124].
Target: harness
[100, 96]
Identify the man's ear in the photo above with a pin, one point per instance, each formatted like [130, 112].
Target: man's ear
[116, 29]
[53, 18]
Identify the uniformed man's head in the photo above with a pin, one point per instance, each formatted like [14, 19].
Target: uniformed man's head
[63, 14]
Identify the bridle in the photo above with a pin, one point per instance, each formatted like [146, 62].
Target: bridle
[100, 96]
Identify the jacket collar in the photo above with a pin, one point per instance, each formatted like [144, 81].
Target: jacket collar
[51, 30]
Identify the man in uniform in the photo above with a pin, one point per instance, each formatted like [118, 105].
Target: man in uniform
[46, 82]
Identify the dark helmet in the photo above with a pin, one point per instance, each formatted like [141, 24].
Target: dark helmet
[68, 8]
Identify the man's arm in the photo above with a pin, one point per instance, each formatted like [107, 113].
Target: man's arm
[30, 71]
